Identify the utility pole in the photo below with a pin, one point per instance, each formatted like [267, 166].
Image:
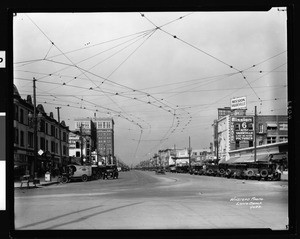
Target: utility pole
[254, 136]
[35, 122]
[81, 144]
[59, 130]
[189, 153]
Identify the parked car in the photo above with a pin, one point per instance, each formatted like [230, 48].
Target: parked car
[236, 170]
[97, 172]
[263, 170]
[110, 171]
[79, 172]
[196, 170]
[211, 169]
[160, 171]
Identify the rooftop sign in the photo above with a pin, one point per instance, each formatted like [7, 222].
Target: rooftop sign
[239, 103]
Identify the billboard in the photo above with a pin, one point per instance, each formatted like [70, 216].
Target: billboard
[239, 103]
[243, 128]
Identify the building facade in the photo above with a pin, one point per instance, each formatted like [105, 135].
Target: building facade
[52, 147]
[105, 139]
[234, 132]
[99, 135]
[84, 137]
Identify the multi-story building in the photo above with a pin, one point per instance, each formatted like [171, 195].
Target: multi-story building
[234, 132]
[105, 139]
[101, 137]
[52, 148]
[79, 149]
[86, 132]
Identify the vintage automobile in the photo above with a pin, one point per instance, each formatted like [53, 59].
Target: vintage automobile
[236, 170]
[79, 172]
[97, 172]
[110, 171]
[160, 171]
[262, 170]
[196, 170]
[211, 169]
[182, 169]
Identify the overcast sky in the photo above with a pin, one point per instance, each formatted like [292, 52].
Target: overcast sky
[161, 76]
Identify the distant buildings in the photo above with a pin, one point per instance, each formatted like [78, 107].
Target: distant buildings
[98, 135]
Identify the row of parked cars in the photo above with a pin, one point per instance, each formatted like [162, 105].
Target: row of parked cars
[254, 170]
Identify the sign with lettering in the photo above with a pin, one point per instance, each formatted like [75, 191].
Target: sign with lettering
[243, 128]
[239, 103]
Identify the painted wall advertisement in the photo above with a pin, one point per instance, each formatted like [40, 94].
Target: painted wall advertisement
[243, 128]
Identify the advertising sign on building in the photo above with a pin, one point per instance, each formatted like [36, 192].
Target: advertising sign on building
[239, 103]
[243, 128]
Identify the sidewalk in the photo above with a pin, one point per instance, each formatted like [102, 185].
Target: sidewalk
[42, 183]
[284, 176]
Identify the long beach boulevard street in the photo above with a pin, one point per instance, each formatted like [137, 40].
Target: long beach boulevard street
[144, 200]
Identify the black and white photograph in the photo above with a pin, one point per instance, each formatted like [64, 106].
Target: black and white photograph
[150, 120]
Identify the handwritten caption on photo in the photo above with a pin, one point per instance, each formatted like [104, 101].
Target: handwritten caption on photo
[251, 202]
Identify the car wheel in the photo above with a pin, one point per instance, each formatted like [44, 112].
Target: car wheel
[84, 178]
[64, 179]
[264, 173]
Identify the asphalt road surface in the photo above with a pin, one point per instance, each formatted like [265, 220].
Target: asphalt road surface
[144, 200]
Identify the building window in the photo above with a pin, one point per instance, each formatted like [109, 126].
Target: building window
[237, 144]
[52, 146]
[42, 126]
[271, 126]
[64, 150]
[64, 136]
[77, 145]
[22, 138]
[21, 116]
[77, 154]
[56, 148]
[46, 128]
[16, 113]
[52, 130]
[283, 139]
[260, 128]
[283, 126]
[271, 140]
[104, 125]
[16, 138]
[30, 139]
[56, 133]
[46, 145]
[42, 143]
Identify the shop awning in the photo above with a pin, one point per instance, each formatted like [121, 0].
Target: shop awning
[271, 125]
[278, 157]
[248, 159]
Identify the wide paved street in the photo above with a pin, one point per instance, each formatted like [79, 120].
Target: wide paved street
[144, 200]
